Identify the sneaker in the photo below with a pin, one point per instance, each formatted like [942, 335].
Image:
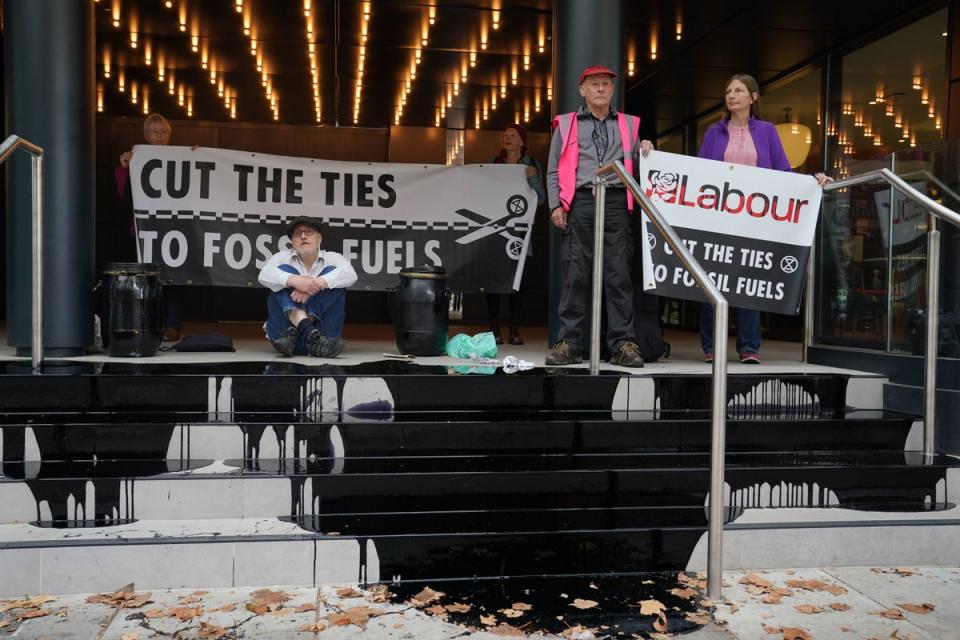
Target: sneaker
[561, 354]
[628, 355]
[708, 358]
[321, 346]
[749, 357]
[286, 342]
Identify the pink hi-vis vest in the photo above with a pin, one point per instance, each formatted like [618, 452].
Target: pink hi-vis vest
[570, 153]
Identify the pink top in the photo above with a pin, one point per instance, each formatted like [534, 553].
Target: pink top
[740, 149]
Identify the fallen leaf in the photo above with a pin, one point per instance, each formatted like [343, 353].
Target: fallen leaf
[33, 613]
[900, 635]
[200, 593]
[279, 613]
[660, 624]
[770, 630]
[227, 608]
[642, 582]
[185, 613]
[793, 633]
[754, 590]
[892, 614]
[593, 586]
[129, 635]
[924, 608]
[511, 613]
[839, 606]
[817, 585]
[30, 603]
[426, 596]
[488, 620]
[521, 606]
[211, 631]
[348, 592]
[309, 606]
[315, 627]
[436, 610]
[902, 571]
[651, 607]
[686, 593]
[807, 608]
[772, 598]
[357, 616]
[457, 607]
[191, 599]
[379, 593]
[583, 604]
[754, 579]
[265, 600]
[846, 630]
[504, 629]
[154, 613]
[734, 607]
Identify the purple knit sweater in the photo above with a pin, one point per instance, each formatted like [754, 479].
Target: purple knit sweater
[770, 153]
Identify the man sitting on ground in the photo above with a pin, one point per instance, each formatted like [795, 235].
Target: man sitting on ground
[306, 309]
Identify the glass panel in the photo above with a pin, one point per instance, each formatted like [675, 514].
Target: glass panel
[793, 104]
[871, 264]
[704, 123]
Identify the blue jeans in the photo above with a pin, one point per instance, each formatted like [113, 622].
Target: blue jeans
[748, 329]
[326, 309]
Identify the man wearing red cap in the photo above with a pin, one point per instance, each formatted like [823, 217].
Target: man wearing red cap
[583, 141]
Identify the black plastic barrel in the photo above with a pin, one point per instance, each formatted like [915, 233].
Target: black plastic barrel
[133, 291]
[421, 311]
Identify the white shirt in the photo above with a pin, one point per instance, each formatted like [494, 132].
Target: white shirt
[339, 276]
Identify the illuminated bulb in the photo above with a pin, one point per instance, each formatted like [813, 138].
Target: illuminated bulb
[121, 80]
[937, 124]
[239, 6]
[631, 67]
[133, 92]
[889, 110]
[168, 4]
[917, 83]
[473, 58]
[526, 64]
[795, 129]
[925, 97]
[100, 100]
[679, 31]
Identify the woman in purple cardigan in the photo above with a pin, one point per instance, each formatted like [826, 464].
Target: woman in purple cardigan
[741, 137]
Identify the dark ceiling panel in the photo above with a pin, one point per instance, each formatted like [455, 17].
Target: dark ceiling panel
[683, 79]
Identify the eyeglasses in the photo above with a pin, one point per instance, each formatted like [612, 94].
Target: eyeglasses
[309, 231]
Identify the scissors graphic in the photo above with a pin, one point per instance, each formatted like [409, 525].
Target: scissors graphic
[516, 208]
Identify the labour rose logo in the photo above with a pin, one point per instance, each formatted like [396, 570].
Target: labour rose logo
[663, 182]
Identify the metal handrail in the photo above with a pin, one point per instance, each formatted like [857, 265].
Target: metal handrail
[10, 145]
[936, 210]
[718, 406]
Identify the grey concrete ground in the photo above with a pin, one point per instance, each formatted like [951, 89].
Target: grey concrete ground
[898, 603]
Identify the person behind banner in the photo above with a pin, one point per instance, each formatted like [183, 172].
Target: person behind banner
[156, 130]
[306, 308]
[741, 137]
[601, 135]
[514, 151]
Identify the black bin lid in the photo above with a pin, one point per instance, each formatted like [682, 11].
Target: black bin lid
[426, 272]
[131, 268]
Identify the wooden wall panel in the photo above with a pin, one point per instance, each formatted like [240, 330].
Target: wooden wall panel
[420, 145]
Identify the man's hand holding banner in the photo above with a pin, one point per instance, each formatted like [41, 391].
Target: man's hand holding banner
[751, 229]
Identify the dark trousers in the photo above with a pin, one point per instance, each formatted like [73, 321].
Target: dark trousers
[577, 262]
[493, 309]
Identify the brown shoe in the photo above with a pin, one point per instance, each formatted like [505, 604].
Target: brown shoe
[171, 335]
[563, 353]
[628, 355]
[515, 336]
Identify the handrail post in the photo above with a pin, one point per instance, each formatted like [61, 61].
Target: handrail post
[718, 448]
[7, 148]
[599, 209]
[36, 349]
[933, 316]
[809, 298]
[719, 402]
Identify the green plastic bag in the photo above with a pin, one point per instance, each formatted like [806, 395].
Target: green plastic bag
[482, 344]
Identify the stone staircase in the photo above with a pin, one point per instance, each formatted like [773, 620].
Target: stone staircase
[246, 474]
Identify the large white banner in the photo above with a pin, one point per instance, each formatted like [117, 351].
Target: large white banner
[750, 228]
[214, 216]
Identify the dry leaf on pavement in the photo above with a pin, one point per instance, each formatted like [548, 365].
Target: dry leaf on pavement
[458, 607]
[580, 603]
[314, 627]
[511, 613]
[651, 607]
[185, 613]
[521, 606]
[264, 600]
[807, 608]
[309, 606]
[839, 606]
[698, 617]
[578, 632]
[348, 592]
[379, 593]
[129, 635]
[154, 613]
[924, 608]
[211, 631]
[33, 613]
[793, 633]
[436, 610]
[686, 593]
[488, 620]
[892, 614]
[754, 579]
[771, 630]
[29, 603]
[817, 585]
[425, 597]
